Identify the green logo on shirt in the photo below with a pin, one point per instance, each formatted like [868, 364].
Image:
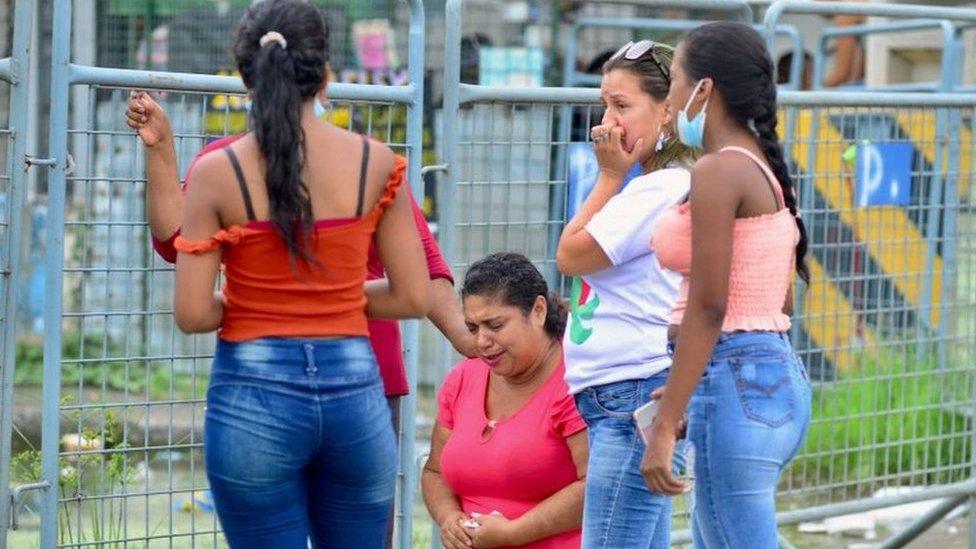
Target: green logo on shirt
[578, 332]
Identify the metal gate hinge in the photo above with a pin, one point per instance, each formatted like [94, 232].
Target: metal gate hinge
[16, 494]
[31, 161]
[434, 168]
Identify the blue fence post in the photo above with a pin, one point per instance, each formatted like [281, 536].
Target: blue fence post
[972, 443]
[939, 191]
[15, 70]
[946, 127]
[54, 265]
[411, 328]
[446, 195]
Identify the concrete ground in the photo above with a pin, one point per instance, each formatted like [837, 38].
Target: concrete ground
[953, 534]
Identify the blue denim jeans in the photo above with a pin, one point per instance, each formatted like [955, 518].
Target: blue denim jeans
[747, 420]
[298, 444]
[619, 511]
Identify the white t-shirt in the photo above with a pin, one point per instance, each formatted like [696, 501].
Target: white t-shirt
[618, 327]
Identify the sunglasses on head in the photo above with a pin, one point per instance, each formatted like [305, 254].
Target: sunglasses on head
[635, 50]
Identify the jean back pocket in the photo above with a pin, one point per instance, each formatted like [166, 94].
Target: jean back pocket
[765, 388]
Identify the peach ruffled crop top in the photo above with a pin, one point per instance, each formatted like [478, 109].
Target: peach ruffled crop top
[763, 256]
[266, 297]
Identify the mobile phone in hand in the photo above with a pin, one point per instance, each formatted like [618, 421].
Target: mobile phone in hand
[644, 417]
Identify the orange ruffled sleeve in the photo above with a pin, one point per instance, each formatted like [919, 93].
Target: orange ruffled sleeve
[397, 176]
[230, 236]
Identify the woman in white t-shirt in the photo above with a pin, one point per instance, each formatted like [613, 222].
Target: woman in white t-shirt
[616, 341]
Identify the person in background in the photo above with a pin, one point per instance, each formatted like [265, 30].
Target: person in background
[164, 200]
[298, 444]
[737, 242]
[784, 68]
[508, 450]
[165, 197]
[849, 58]
[616, 347]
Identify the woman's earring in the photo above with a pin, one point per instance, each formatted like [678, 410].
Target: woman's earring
[661, 138]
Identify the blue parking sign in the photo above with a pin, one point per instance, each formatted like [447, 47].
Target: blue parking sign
[883, 175]
[583, 171]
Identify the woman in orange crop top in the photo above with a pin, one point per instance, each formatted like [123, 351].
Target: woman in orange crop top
[736, 241]
[298, 440]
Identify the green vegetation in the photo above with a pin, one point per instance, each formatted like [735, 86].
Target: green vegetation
[93, 463]
[95, 361]
[895, 420]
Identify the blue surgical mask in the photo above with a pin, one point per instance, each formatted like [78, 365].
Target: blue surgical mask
[692, 132]
[320, 109]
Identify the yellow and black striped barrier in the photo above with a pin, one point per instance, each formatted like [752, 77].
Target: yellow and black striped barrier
[881, 250]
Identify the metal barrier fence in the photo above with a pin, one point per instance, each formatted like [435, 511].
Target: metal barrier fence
[953, 22]
[887, 325]
[14, 76]
[573, 77]
[188, 35]
[132, 386]
[123, 392]
[951, 68]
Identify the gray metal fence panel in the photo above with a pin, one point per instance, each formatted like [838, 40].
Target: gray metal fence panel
[124, 391]
[13, 72]
[887, 326]
[133, 387]
[191, 35]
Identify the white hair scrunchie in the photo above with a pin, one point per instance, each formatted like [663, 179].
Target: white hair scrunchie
[273, 36]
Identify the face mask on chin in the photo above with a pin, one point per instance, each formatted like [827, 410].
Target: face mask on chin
[320, 109]
[692, 132]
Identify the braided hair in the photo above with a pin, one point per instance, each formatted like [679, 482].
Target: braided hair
[734, 56]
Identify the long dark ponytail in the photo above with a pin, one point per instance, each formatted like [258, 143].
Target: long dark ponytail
[735, 57]
[282, 51]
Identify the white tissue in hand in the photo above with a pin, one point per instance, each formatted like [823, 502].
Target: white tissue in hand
[472, 523]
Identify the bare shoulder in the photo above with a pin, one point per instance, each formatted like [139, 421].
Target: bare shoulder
[380, 154]
[384, 155]
[211, 176]
[717, 179]
[718, 169]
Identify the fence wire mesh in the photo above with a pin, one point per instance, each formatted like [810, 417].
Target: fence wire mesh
[6, 167]
[506, 182]
[133, 387]
[193, 35]
[887, 326]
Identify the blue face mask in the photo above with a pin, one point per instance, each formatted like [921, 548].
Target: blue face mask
[692, 132]
[320, 109]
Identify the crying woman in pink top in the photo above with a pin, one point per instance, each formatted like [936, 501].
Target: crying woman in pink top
[508, 453]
